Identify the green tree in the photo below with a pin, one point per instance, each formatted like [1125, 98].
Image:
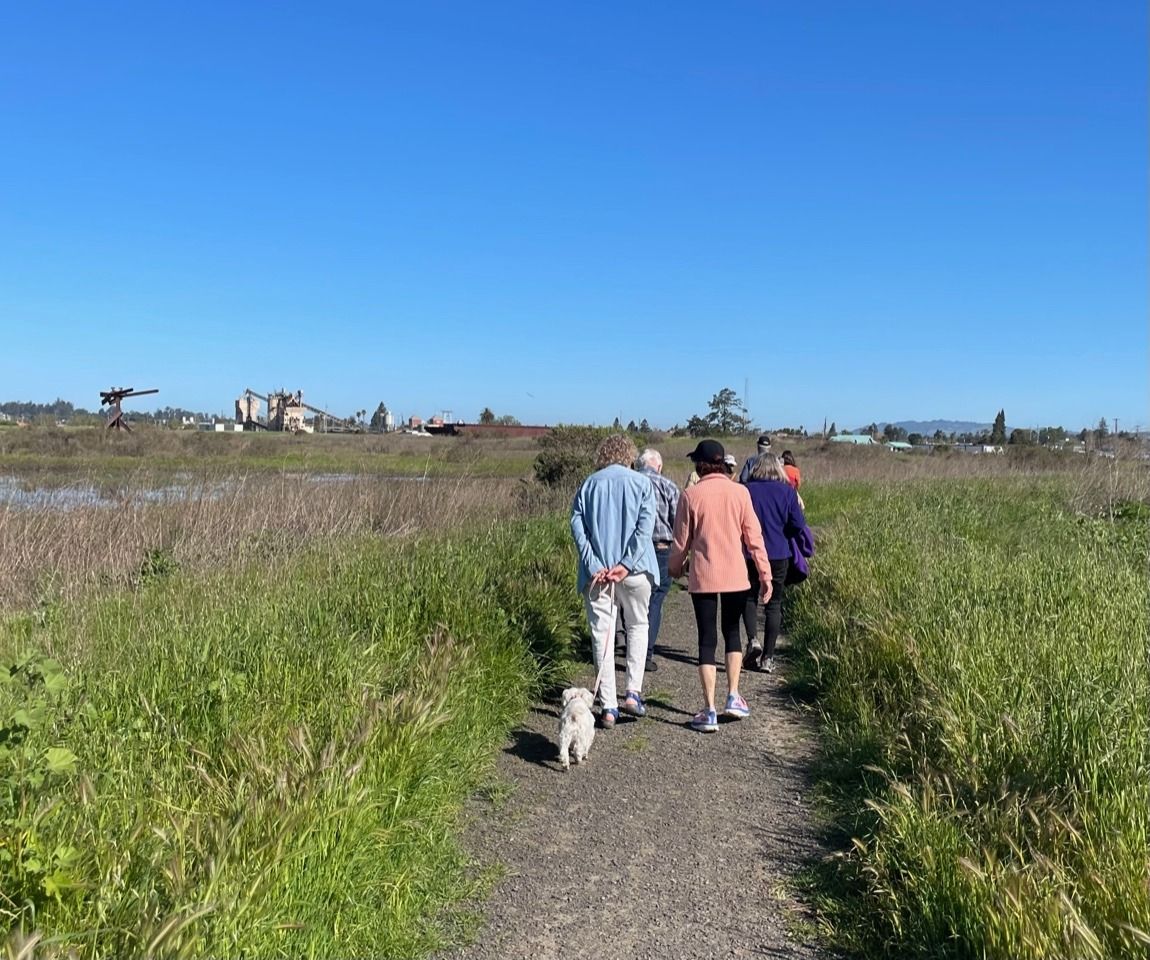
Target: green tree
[833, 432]
[487, 415]
[726, 415]
[567, 455]
[617, 425]
[1102, 431]
[698, 426]
[644, 426]
[1020, 437]
[379, 418]
[507, 421]
[632, 426]
[915, 439]
[998, 431]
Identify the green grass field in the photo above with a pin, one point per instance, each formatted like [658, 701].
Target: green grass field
[270, 762]
[248, 724]
[45, 452]
[980, 654]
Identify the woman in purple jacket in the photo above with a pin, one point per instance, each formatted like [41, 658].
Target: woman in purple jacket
[780, 515]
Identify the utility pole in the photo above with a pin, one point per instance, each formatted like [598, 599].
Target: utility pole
[1115, 426]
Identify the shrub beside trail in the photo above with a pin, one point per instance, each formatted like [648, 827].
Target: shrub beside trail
[270, 763]
[980, 654]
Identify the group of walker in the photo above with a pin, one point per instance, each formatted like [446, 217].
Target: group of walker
[736, 541]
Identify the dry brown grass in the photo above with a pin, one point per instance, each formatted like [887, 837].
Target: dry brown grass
[50, 551]
[218, 513]
[1097, 481]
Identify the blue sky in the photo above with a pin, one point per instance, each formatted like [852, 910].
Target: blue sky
[884, 210]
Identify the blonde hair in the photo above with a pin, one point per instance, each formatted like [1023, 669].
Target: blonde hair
[616, 449]
[768, 467]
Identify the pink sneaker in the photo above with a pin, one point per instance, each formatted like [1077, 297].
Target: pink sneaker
[736, 707]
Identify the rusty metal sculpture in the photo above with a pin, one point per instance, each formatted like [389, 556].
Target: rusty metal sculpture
[111, 399]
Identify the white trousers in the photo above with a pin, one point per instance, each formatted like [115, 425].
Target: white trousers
[632, 595]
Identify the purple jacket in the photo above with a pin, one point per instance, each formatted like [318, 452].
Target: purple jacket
[777, 507]
[802, 546]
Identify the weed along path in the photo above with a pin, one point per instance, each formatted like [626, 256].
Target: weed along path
[666, 842]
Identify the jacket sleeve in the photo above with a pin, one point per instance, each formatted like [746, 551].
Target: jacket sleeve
[591, 563]
[644, 527]
[752, 532]
[674, 495]
[795, 521]
[745, 473]
[682, 537]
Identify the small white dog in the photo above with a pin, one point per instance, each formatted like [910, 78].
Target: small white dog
[576, 725]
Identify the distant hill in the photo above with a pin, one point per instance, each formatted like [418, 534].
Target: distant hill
[927, 427]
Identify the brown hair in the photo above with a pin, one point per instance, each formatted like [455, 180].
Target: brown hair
[617, 448]
[705, 469]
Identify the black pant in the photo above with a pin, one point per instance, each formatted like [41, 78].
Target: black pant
[774, 611]
[707, 605]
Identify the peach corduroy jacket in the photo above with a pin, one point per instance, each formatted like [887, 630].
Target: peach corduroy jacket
[714, 521]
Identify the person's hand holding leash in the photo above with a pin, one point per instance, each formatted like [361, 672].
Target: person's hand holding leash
[617, 573]
[601, 577]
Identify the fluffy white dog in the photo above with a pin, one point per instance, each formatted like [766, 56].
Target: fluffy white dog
[576, 725]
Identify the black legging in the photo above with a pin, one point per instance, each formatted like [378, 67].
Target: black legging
[774, 610]
[707, 605]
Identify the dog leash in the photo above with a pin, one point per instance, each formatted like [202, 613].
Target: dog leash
[606, 651]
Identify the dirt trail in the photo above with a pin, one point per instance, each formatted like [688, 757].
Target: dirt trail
[665, 842]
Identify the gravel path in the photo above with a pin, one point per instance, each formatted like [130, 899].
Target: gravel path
[665, 842]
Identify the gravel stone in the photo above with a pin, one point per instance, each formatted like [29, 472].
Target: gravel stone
[665, 842]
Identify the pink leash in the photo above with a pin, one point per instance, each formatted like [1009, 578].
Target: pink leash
[603, 661]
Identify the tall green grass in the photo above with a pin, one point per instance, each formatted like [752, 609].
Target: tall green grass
[981, 656]
[50, 452]
[270, 763]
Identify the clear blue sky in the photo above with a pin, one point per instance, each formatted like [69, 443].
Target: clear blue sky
[882, 210]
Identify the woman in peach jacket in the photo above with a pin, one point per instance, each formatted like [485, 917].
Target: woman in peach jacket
[713, 523]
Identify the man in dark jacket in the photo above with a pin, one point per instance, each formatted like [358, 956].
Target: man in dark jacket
[764, 446]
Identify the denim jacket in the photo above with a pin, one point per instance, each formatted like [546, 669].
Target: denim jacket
[612, 519]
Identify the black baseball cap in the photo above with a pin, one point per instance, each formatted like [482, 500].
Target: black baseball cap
[764, 440]
[708, 451]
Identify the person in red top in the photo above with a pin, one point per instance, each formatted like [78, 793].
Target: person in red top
[792, 471]
[713, 522]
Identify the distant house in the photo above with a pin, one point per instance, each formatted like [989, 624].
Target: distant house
[899, 446]
[858, 439]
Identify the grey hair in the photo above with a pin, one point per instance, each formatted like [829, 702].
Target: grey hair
[652, 458]
[768, 467]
